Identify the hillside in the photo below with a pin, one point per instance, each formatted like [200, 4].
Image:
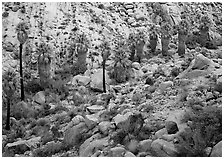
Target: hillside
[162, 90]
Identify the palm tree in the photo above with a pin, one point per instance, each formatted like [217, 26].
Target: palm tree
[182, 36]
[22, 36]
[166, 32]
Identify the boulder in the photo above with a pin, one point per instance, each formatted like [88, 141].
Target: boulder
[117, 152]
[160, 133]
[95, 108]
[217, 150]
[145, 145]
[21, 146]
[162, 148]
[92, 147]
[104, 127]
[129, 154]
[171, 127]
[73, 135]
[136, 65]
[164, 85]
[132, 146]
[39, 97]
[119, 119]
[79, 79]
[97, 80]
[21, 110]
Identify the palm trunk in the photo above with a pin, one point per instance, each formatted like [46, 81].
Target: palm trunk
[104, 79]
[132, 56]
[44, 69]
[165, 43]
[181, 44]
[8, 115]
[21, 72]
[153, 44]
[139, 50]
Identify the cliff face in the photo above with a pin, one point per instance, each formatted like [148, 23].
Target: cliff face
[56, 24]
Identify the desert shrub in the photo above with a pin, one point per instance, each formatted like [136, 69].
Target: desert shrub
[206, 125]
[33, 86]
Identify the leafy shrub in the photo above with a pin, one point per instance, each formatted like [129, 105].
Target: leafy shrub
[33, 86]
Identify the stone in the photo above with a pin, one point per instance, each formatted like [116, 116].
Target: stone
[117, 152]
[165, 85]
[95, 108]
[145, 145]
[131, 20]
[176, 116]
[79, 79]
[92, 147]
[129, 6]
[73, 135]
[21, 146]
[92, 120]
[160, 133]
[217, 150]
[171, 127]
[121, 118]
[104, 127]
[97, 80]
[162, 148]
[132, 146]
[129, 154]
[5, 14]
[136, 65]
[39, 97]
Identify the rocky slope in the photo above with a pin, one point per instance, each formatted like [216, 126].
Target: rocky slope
[159, 111]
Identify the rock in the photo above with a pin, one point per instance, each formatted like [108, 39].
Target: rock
[208, 151]
[145, 145]
[131, 20]
[95, 108]
[9, 47]
[49, 149]
[73, 135]
[172, 46]
[216, 38]
[201, 62]
[129, 154]
[15, 8]
[132, 146]
[150, 81]
[79, 79]
[163, 86]
[119, 119]
[21, 146]
[160, 133]
[104, 127]
[171, 127]
[97, 80]
[129, 6]
[92, 120]
[117, 152]
[136, 65]
[92, 147]
[217, 150]
[77, 98]
[162, 148]
[39, 97]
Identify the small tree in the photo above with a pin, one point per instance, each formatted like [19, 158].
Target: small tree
[166, 32]
[22, 36]
[140, 42]
[182, 36]
[132, 45]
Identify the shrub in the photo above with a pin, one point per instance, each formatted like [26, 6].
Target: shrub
[206, 131]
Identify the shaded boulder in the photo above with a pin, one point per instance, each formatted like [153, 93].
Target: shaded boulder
[171, 127]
